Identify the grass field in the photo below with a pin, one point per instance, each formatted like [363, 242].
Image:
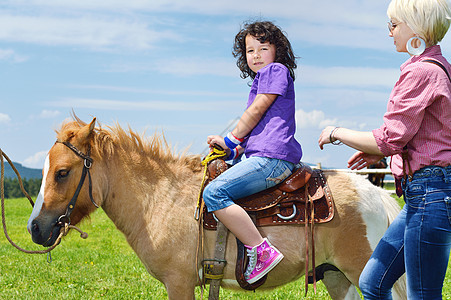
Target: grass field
[100, 267]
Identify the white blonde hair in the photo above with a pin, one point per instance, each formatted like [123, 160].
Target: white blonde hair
[429, 19]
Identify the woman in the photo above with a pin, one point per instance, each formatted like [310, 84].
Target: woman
[416, 133]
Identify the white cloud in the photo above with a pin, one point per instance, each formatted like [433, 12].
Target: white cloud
[101, 33]
[317, 119]
[141, 24]
[177, 92]
[142, 105]
[314, 119]
[181, 66]
[11, 56]
[4, 118]
[348, 76]
[49, 114]
[189, 66]
[349, 11]
[36, 160]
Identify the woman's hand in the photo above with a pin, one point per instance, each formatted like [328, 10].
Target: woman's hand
[324, 137]
[359, 140]
[362, 160]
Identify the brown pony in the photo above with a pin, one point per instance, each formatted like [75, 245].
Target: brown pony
[150, 194]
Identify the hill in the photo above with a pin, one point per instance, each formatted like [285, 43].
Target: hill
[24, 172]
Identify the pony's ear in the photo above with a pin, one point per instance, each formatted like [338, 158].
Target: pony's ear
[85, 133]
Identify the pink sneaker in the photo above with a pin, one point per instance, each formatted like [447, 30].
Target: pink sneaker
[262, 259]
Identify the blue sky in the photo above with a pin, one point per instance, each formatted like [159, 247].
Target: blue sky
[167, 66]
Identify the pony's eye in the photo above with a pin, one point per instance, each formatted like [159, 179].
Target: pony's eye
[62, 174]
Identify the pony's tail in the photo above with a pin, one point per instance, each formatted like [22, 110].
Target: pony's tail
[391, 207]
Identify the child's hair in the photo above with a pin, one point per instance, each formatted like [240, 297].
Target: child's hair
[264, 32]
[430, 19]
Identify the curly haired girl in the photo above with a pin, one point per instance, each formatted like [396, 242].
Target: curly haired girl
[264, 134]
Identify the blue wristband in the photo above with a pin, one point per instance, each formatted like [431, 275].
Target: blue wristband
[233, 154]
[231, 145]
[232, 141]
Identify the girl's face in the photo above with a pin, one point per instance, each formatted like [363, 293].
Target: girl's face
[400, 33]
[259, 54]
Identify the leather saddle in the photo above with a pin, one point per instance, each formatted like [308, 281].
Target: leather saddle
[285, 203]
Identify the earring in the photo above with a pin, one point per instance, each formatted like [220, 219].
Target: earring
[416, 51]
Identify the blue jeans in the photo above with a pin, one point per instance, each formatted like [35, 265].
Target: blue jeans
[418, 241]
[250, 176]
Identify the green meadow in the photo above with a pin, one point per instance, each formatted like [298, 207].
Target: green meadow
[101, 267]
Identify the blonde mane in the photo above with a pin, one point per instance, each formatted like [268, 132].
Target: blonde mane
[115, 138]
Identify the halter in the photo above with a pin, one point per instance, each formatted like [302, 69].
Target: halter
[87, 164]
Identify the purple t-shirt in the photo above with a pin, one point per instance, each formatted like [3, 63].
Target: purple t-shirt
[273, 136]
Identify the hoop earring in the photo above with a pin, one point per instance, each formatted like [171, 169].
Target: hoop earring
[416, 51]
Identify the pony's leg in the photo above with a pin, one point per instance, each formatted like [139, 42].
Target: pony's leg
[182, 295]
[339, 287]
[178, 289]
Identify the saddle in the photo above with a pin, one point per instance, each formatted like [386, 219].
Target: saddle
[285, 203]
[303, 198]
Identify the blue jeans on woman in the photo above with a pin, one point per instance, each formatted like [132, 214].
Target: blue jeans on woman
[418, 241]
[250, 176]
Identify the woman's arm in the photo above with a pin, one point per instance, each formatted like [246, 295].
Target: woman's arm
[359, 140]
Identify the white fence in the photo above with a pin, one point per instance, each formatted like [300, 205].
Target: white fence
[362, 172]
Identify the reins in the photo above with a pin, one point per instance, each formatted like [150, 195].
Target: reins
[64, 229]
[214, 154]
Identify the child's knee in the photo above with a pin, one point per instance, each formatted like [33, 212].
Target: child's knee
[210, 196]
[215, 197]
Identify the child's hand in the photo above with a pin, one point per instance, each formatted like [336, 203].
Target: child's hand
[216, 139]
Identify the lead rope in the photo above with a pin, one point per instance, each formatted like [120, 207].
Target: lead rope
[214, 154]
[64, 230]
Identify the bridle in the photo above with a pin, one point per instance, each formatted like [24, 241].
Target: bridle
[87, 164]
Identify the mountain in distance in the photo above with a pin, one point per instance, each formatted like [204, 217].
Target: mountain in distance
[25, 173]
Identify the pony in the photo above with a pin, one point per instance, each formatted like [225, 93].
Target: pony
[150, 194]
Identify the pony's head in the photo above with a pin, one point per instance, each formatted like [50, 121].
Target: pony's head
[65, 196]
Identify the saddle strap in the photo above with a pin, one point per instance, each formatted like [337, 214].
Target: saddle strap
[219, 262]
[309, 204]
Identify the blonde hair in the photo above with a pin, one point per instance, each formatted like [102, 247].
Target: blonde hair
[429, 19]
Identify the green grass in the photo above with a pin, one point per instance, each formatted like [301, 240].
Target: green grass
[100, 267]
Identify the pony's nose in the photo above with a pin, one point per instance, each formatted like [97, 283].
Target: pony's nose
[34, 229]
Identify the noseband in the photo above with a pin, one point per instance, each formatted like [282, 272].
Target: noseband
[87, 164]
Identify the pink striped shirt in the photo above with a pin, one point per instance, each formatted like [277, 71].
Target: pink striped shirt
[418, 115]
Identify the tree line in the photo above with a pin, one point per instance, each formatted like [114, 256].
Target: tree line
[12, 187]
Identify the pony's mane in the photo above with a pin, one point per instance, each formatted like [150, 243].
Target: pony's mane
[115, 138]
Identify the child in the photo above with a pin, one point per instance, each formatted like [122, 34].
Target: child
[264, 133]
